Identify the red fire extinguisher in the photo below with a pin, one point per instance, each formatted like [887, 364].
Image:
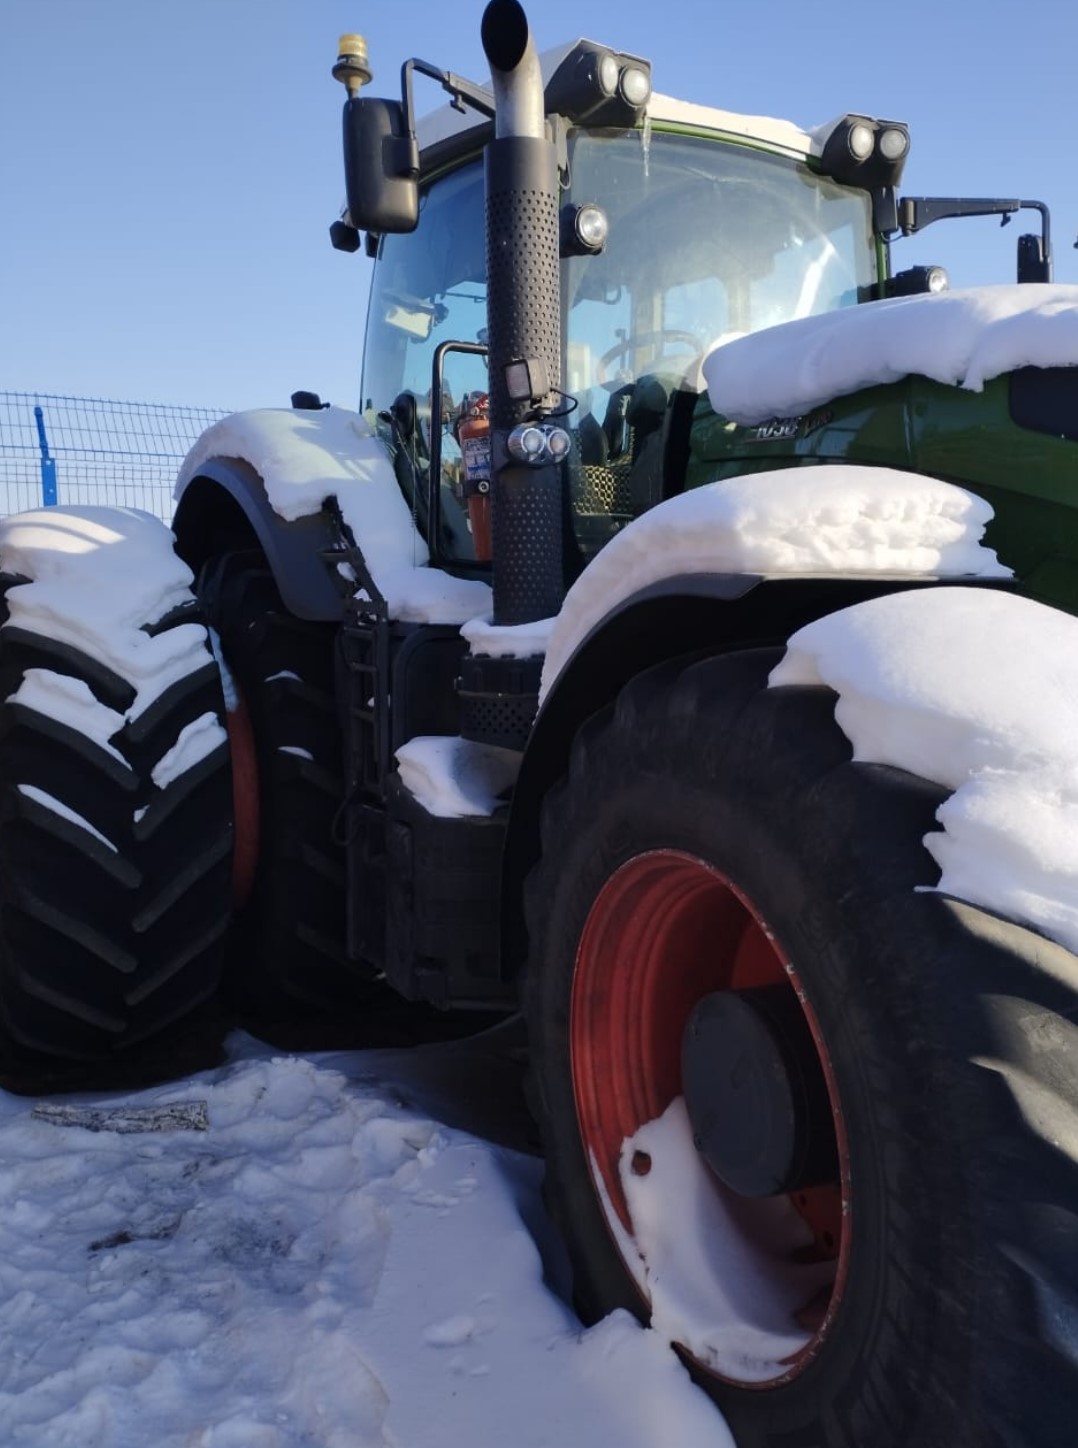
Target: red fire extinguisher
[473, 432]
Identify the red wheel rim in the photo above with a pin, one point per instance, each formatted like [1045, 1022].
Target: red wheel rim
[666, 930]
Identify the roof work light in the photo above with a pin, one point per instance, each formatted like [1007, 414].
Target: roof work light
[599, 87]
[861, 151]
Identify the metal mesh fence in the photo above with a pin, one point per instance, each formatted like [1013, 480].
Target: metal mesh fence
[78, 450]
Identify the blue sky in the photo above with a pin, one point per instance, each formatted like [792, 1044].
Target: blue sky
[168, 172]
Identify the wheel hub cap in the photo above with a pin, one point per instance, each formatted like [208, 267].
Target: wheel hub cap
[756, 1095]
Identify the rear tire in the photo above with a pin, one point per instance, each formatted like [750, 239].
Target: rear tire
[949, 1038]
[288, 952]
[115, 894]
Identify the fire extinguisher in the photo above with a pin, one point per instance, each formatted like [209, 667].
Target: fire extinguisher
[473, 433]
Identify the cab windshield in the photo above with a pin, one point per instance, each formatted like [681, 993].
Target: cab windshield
[707, 241]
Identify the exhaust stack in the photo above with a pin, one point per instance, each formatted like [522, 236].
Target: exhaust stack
[523, 320]
[514, 72]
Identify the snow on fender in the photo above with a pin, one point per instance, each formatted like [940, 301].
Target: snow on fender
[115, 840]
[977, 691]
[830, 519]
[304, 457]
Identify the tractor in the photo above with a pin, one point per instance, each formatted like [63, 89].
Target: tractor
[489, 751]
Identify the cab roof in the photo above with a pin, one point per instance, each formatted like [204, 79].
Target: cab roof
[445, 122]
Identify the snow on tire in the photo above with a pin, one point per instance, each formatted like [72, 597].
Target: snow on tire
[115, 798]
[816, 1124]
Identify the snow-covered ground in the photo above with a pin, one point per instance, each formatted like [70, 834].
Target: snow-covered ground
[303, 1255]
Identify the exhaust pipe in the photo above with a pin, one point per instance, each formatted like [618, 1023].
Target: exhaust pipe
[514, 71]
[523, 319]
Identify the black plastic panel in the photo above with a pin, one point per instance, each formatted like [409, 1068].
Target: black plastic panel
[1045, 399]
[443, 883]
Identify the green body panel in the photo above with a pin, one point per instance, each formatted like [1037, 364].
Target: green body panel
[969, 438]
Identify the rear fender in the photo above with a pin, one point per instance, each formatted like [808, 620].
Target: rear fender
[696, 614]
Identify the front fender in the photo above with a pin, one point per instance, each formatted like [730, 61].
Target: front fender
[225, 503]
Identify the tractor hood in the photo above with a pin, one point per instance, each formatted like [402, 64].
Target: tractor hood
[978, 388]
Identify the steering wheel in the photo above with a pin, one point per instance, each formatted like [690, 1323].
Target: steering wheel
[652, 342]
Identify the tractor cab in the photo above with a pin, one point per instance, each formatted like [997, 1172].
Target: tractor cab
[702, 239]
[680, 226]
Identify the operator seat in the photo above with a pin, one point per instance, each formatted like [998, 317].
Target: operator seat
[634, 429]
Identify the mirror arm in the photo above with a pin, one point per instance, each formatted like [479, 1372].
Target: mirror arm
[462, 93]
[917, 212]
[1046, 239]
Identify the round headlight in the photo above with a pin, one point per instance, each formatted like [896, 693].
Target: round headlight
[860, 141]
[608, 74]
[591, 226]
[635, 85]
[938, 280]
[558, 443]
[893, 143]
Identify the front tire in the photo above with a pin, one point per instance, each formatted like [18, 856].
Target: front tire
[115, 823]
[289, 954]
[714, 839]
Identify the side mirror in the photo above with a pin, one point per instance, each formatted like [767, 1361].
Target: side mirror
[1034, 263]
[381, 166]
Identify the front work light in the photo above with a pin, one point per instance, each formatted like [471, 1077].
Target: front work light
[584, 230]
[597, 87]
[918, 280]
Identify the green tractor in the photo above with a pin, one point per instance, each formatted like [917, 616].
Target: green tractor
[496, 743]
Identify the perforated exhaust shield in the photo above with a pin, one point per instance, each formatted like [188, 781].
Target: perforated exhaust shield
[523, 317]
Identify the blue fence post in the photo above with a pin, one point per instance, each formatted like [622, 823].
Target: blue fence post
[48, 464]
